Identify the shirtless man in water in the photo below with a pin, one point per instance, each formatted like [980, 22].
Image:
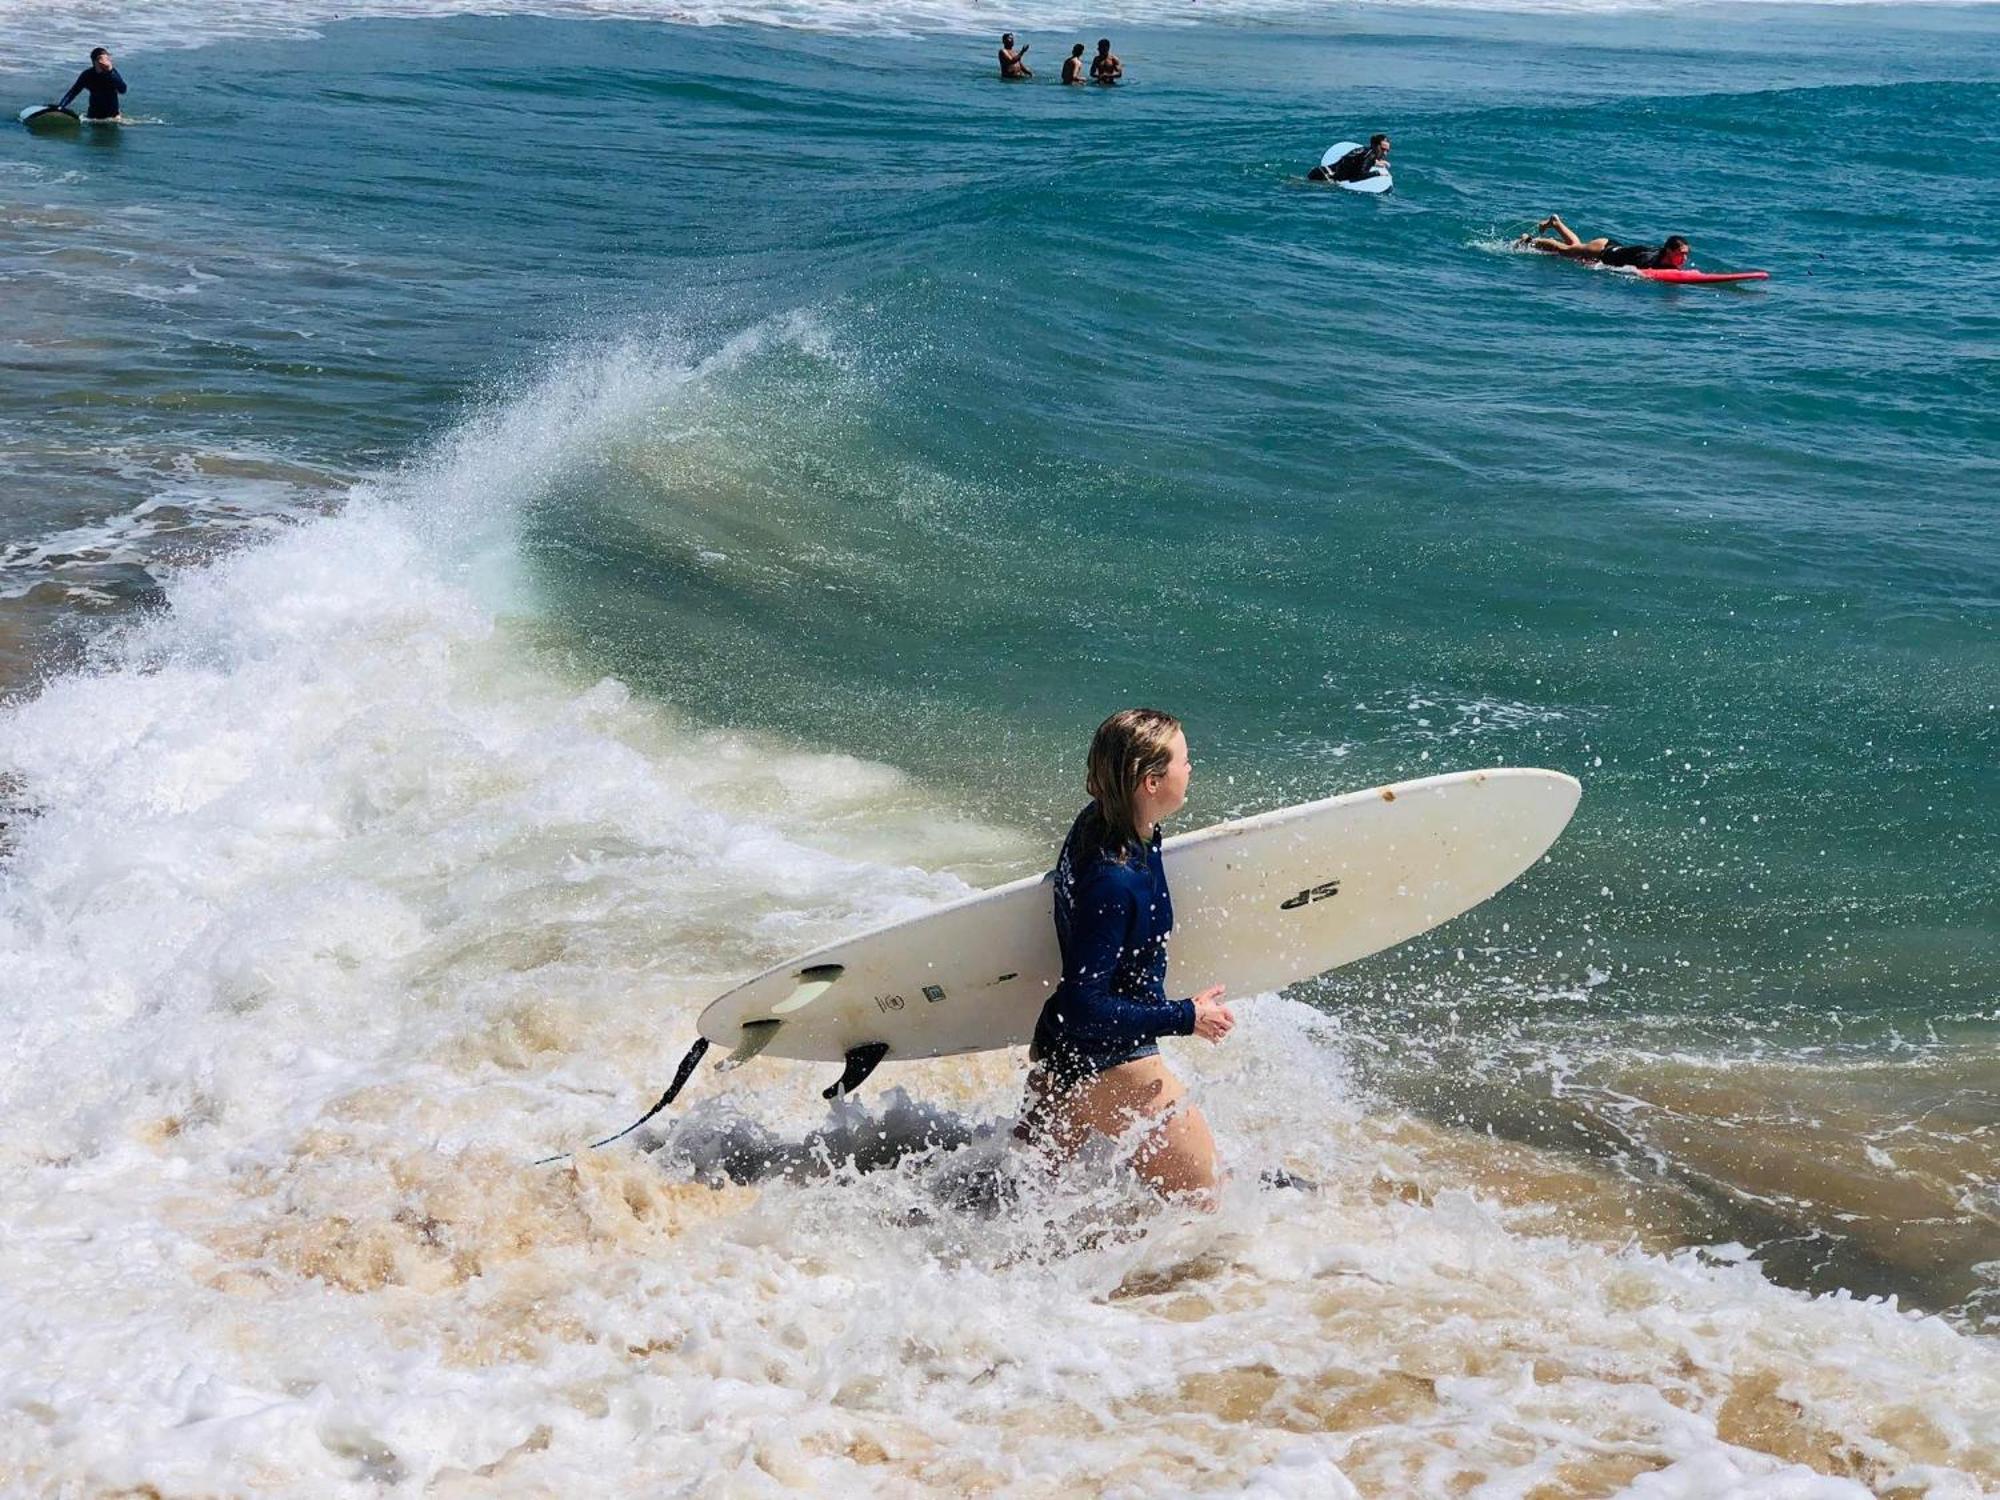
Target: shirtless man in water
[1012, 64]
[1670, 256]
[1072, 69]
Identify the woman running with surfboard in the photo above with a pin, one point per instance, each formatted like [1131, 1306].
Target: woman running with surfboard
[1097, 1068]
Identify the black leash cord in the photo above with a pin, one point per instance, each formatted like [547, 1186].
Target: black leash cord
[681, 1076]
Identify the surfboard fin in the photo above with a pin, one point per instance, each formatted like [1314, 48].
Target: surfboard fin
[754, 1038]
[812, 983]
[861, 1061]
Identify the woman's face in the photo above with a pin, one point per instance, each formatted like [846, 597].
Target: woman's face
[1168, 790]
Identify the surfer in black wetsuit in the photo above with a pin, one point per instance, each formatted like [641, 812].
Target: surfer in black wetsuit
[1359, 163]
[1097, 1068]
[101, 81]
[1670, 256]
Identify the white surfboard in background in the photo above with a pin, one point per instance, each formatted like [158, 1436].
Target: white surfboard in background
[1258, 903]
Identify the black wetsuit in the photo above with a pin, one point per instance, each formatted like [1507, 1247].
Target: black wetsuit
[103, 88]
[1354, 166]
[1635, 257]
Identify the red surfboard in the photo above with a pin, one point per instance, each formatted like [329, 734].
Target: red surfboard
[1683, 277]
[1705, 278]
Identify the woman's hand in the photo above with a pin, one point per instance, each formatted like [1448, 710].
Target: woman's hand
[1212, 1019]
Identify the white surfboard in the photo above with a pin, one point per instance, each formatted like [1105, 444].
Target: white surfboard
[46, 117]
[1377, 181]
[1258, 903]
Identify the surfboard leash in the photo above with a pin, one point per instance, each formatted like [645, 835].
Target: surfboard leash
[681, 1075]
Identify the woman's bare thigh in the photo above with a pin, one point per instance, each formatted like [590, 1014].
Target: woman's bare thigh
[1176, 1151]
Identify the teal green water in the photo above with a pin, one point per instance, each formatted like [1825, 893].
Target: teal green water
[902, 413]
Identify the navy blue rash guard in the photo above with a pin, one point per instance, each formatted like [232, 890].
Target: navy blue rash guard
[1112, 922]
[103, 88]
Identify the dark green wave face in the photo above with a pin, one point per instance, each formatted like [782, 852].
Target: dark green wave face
[928, 421]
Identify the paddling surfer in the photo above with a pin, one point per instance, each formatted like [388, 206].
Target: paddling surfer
[102, 82]
[1356, 164]
[1096, 1064]
[1672, 255]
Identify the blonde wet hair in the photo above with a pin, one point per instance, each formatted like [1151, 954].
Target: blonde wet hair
[1131, 745]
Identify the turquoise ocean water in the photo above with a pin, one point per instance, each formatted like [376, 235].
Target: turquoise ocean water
[880, 426]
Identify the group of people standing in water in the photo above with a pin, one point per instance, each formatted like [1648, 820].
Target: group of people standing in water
[1104, 69]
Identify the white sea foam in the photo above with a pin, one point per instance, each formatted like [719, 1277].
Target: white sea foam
[37, 28]
[336, 904]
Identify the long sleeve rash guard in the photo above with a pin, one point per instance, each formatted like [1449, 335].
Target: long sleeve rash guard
[103, 88]
[1112, 922]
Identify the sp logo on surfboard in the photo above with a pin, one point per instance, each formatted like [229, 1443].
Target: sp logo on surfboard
[1309, 894]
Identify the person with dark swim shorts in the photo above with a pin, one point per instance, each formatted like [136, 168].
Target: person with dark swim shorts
[101, 81]
[1012, 58]
[1105, 68]
[1096, 1069]
[1357, 164]
[1670, 256]
[1072, 68]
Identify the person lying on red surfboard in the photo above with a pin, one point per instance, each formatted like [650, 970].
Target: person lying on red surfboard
[1671, 256]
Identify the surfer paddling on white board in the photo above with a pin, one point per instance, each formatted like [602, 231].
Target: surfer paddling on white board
[1096, 1064]
[101, 81]
[1013, 60]
[1356, 165]
[1670, 256]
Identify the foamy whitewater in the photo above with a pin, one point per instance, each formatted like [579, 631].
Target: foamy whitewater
[336, 905]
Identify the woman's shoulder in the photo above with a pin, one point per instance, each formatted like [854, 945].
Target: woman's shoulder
[1091, 863]
[1107, 873]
